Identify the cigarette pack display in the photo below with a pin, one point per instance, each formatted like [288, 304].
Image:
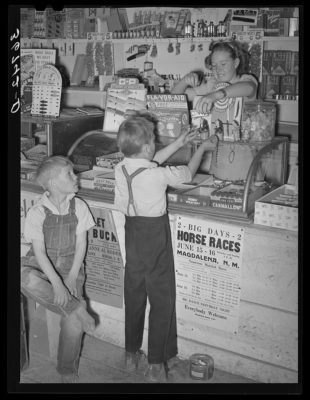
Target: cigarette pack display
[271, 84]
[281, 62]
[171, 111]
[267, 61]
[288, 85]
[278, 209]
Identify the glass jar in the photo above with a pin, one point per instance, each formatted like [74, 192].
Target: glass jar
[258, 121]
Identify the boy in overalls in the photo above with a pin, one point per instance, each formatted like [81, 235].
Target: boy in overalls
[140, 193]
[52, 272]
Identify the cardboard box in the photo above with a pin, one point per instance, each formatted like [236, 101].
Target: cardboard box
[270, 212]
[171, 111]
[288, 85]
[199, 196]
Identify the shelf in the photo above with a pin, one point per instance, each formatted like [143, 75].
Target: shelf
[164, 40]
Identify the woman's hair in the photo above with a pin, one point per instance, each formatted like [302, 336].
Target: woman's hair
[235, 49]
[138, 129]
[50, 168]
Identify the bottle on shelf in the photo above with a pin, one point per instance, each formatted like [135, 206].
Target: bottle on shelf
[211, 31]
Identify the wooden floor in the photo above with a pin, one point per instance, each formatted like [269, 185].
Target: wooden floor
[102, 363]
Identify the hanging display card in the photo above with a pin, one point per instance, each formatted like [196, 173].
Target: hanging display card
[224, 119]
[123, 97]
[104, 265]
[31, 60]
[208, 264]
[171, 111]
[46, 92]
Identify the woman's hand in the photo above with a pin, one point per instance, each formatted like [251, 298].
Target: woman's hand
[205, 103]
[192, 79]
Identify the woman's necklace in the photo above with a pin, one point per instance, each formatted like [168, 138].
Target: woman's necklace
[231, 155]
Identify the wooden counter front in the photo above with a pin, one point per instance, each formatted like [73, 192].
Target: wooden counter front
[265, 347]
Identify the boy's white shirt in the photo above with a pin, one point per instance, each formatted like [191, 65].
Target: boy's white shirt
[33, 228]
[149, 187]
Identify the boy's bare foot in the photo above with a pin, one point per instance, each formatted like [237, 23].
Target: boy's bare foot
[87, 321]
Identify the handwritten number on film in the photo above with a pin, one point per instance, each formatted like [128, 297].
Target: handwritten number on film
[15, 83]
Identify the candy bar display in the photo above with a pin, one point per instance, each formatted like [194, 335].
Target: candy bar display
[258, 121]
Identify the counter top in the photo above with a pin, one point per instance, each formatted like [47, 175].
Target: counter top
[235, 217]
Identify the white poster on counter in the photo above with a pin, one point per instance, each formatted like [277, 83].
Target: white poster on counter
[208, 263]
[104, 264]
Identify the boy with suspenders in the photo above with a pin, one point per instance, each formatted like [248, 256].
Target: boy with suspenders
[140, 193]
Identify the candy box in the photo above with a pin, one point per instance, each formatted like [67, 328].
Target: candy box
[278, 208]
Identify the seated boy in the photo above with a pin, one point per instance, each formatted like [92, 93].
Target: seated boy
[52, 272]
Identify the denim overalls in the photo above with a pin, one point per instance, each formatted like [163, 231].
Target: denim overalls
[149, 273]
[59, 237]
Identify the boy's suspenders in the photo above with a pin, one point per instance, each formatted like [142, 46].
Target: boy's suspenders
[129, 179]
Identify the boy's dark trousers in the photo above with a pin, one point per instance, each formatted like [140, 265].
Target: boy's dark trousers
[149, 272]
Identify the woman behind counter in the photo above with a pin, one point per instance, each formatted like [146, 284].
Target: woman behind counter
[229, 64]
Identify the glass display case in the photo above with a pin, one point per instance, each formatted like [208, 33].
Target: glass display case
[266, 170]
[56, 135]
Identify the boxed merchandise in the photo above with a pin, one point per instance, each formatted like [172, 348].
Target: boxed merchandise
[109, 160]
[281, 62]
[105, 181]
[171, 111]
[278, 208]
[231, 196]
[199, 196]
[86, 178]
[288, 85]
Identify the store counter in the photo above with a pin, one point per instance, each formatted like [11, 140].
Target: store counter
[237, 286]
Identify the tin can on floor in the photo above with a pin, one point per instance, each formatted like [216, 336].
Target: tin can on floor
[201, 366]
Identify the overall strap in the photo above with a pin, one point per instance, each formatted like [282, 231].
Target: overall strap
[129, 179]
[72, 206]
[47, 210]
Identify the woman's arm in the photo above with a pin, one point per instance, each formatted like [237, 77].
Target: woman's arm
[187, 84]
[239, 89]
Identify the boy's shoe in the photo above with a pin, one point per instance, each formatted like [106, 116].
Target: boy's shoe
[156, 373]
[69, 378]
[132, 360]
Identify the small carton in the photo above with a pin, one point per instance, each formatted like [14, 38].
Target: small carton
[278, 208]
[199, 196]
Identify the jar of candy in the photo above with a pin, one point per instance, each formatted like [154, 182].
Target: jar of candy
[258, 121]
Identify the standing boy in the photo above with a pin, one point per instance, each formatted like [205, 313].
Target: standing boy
[52, 272]
[140, 193]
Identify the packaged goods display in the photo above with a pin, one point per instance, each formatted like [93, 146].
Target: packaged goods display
[258, 121]
[278, 209]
